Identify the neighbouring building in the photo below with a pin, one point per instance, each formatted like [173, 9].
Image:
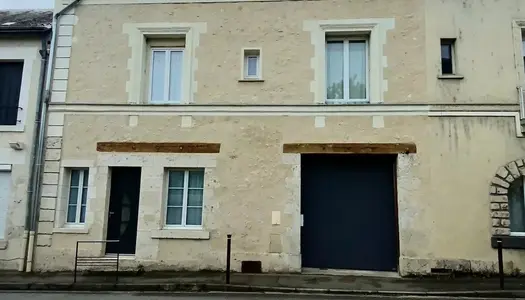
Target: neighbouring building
[334, 134]
[24, 37]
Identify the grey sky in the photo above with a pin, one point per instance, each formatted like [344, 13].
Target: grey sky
[26, 4]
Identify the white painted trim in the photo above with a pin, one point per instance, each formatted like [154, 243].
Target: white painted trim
[138, 32]
[375, 28]
[185, 191]
[27, 54]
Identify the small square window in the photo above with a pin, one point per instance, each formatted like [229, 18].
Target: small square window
[184, 201]
[448, 56]
[77, 196]
[252, 64]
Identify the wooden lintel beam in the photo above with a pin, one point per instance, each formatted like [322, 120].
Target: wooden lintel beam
[158, 147]
[350, 148]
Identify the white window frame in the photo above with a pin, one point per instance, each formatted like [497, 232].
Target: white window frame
[167, 75]
[346, 69]
[184, 200]
[79, 196]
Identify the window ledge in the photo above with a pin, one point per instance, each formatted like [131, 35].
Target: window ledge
[508, 241]
[11, 128]
[71, 230]
[251, 80]
[181, 234]
[451, 76]
[3, 244]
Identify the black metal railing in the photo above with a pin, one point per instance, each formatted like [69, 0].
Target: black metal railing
[96, 261]
[500, 265]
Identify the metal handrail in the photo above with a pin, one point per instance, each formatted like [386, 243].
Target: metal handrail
[95, 260]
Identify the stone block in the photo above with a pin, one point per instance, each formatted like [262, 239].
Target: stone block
[505, 222]
[496, 222]
[509, 178]
[47, 215]
[522, 170]
[45, 227]
[43, 240]
[504, 206]
[53, 154]
[502, 172]
[500, 182]
[52, 166]
[500, 231]
[49, 190]
[500, 214]
[54, 143]
[501, 191]
[513, 169]
[50, 178]
[519, 163]
[48, 203]
[495, 206]
[492, 190]
[499, 199]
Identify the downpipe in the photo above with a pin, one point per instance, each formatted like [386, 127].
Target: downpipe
[39, 143]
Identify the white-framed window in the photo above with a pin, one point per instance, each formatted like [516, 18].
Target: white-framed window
[166, 69]
[347, 69]
[77, 196]
[184, 201]
[252, 64]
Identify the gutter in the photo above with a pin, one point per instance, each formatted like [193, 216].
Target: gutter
[35, 183]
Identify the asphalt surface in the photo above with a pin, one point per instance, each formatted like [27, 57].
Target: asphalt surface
[194, 296]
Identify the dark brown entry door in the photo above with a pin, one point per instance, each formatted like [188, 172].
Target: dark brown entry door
[123, 209]
[349, 212]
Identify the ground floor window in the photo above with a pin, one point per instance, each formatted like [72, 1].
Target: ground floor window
[184, 198]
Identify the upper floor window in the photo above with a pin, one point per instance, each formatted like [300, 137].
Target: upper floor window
[447, 56]
[166, 69]
[523, 46]
[77, 198]
[10, 86]
[185, 198]
[346, 69]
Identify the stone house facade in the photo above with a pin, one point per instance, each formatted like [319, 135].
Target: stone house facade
[365, 135]
[24, 37]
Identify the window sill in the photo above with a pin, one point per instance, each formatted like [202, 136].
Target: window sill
[251, 80]
[181, 234]
[71, 230]
[508, 241]
[3, 244]
[11, 128]
[451, 76]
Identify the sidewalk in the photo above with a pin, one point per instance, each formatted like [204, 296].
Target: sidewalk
[285, 283]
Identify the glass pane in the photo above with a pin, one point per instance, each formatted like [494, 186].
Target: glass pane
[75, 177]
[175, 197]
[357, 70]
[174, 216]
[71, 213]
[252, 65]
[82, 214]
[176, 75]
[86, 177]
[196, 179]
[73, 195]
[176, 179]
[334, 70]
[446, 51]
[194, 216]
[195, 197]
[517, 207]
[84, 195]
[158, 75]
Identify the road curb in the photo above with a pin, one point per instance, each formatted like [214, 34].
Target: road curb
[203, 287]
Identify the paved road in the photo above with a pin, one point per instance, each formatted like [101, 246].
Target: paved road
[195, 296]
